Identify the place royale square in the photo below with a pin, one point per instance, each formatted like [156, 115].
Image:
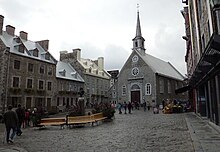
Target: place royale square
[74, 104]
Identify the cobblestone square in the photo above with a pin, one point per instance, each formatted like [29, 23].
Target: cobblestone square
[139, 131]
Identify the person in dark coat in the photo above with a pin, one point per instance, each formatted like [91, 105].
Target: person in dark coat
[129, 107]
[11, 122]
[21, 116]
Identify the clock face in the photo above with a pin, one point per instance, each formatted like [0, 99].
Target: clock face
[135, 71]
[135, 58]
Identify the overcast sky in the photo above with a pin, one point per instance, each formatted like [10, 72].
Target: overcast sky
[101, 27]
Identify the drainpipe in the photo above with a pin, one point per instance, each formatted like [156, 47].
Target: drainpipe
[5, 102]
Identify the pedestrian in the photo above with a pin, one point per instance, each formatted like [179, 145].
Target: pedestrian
[129, 107]
[34, 117]
[148, 105]
[144, 105]
[125, 107]
[27, 117]
[11, 123]
[119, 108]
[21, 115]
[163, 103]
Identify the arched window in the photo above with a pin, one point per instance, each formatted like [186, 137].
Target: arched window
[148, 89]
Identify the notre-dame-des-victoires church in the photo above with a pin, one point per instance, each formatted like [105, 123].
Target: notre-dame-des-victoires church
[144, 77]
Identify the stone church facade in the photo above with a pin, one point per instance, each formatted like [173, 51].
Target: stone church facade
[147, 78]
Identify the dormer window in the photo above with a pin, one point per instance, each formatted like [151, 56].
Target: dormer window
[90, 70]
[47, 56]
[63, 72]
[74, 74]
[97, 71]
[17, 40]
[21, 48]
[35, 52]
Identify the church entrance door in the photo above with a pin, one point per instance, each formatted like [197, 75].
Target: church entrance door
[135, 96]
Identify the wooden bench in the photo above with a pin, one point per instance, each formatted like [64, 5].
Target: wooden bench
[79, 120]
[53, 122]
[98, 117]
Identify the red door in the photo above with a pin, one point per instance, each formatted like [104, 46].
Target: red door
[135, 96]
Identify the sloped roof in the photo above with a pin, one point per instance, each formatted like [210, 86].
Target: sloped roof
[70, 72]
[161, 67]
[10, 42]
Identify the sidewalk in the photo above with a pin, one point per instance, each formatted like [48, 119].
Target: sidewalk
[205, 135]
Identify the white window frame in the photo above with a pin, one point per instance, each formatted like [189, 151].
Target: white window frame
[148, 89]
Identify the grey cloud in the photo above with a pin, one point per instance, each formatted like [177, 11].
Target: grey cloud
[115, 57]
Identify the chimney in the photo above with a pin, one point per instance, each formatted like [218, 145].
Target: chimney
[44, 44]
[23, 35]
[78, 53]
[10, 30]
[1, 23]
[101, 63]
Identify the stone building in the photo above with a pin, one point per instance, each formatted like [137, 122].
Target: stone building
[147, 78]
[202, 18]
[28, 70]
[113, 92]
[69, 83]
[97, 80]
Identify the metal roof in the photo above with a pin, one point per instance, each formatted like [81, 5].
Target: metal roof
[66, 71]
[10, 41]
[161, 67]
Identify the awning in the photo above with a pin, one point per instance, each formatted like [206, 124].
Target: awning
[183, 89]
[208, 61]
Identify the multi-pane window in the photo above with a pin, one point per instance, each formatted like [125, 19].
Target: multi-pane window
[41, 84]
[42, 69]
[49, 86]
[30, 67]
[148, 89]
[161, 85]
[123, 90]
[17, 64]
[169, 86]
[29, 83]
[50, 71]
[176, 85]
[15, 82]
[58, 101]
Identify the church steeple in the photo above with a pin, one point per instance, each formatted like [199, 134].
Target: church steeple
[138, 41]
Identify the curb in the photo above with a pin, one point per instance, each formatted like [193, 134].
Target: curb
[195, 141]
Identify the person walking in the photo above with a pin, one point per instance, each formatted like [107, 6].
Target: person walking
[145, 105]
[119, 108]
[125, 107]
[129, 107]
[21, 115]
[148, 105]
[11, 123]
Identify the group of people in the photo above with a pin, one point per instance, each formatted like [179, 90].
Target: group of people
[16, 119]
[131, 105]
